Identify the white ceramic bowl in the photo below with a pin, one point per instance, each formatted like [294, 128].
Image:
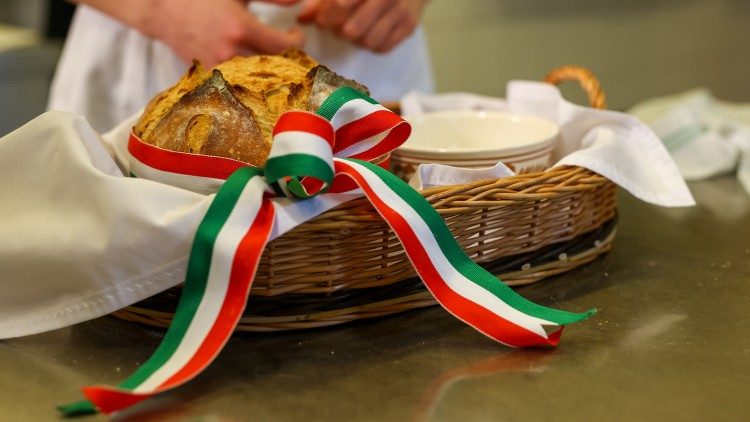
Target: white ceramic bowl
[477, 134]
[475, 139]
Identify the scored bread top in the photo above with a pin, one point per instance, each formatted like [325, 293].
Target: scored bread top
[231, 110]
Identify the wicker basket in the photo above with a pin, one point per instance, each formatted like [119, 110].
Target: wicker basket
[347, 264]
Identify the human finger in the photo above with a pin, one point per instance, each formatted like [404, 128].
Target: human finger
[264, 39]
[308, 10]
[395, 38]
[382, 29]
[334, 13]
[364, 18]
[279, 2]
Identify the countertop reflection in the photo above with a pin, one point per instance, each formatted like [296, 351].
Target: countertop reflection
[671, 340]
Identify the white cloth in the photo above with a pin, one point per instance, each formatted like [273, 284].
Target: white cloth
[432, 175]
[79, 240]
[615, 145]
[705, 136]
[108, 71]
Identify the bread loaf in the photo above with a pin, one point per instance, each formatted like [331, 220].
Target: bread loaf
[230, 110]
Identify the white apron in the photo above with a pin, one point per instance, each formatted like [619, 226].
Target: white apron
[109, 71]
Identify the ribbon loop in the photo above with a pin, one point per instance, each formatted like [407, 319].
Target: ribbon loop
[365, 129]
[300, 164]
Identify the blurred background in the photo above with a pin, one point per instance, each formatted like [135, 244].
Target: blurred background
[638, 48]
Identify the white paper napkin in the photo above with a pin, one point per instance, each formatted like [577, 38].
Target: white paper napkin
[615, 145]
[705, 136]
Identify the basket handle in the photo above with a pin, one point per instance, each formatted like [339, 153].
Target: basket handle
[584, 77]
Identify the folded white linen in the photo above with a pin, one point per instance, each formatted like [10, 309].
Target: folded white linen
[80, 240]
[615, 145]
[705, 136]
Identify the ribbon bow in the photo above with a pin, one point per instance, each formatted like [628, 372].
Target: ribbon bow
[306, 160]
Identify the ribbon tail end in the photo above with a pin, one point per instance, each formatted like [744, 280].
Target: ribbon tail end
[588, 314]
[553, 338]
[554, 332]
[572, 317]
[109, 400]
[79, 408]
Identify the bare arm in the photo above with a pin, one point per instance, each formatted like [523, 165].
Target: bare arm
[208, 30]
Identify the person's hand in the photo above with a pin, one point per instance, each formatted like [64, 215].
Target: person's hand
[213, 31]
[378, 25]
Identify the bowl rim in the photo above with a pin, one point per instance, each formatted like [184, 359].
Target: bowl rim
[427, 152]
[547, 155]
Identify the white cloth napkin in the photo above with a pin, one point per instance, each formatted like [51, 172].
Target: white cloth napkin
[705, 136]
[615, 145]
[80, 240]
[432, 175]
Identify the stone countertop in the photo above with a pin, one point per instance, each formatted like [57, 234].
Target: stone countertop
[671, 341]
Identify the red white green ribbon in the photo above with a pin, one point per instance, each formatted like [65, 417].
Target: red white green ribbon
[236, 228]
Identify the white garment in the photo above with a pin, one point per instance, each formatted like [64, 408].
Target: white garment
[109, 71]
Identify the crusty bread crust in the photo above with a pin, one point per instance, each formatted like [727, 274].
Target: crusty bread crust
[231, 110]
[211, 120]
[268, 85]
[163, 102]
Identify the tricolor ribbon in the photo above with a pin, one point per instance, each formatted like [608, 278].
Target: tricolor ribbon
[306, 159]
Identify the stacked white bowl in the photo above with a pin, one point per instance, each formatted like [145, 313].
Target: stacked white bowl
[476, 139]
